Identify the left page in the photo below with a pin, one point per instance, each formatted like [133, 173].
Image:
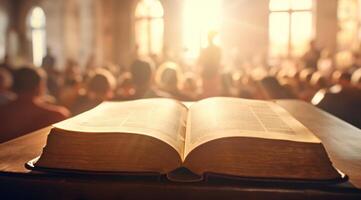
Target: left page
[163, 119]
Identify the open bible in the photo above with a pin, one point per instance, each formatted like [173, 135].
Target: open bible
[227, 136]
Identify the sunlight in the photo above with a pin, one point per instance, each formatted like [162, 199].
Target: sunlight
[38, 36]
[348, 22]
[301, 31]
[290, 27]
[3, 26]
[279, 34]
[149, 27]
[199, 18]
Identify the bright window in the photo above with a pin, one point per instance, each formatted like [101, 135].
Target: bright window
[200, 17]
[290, 27]
[149, 27]
[348, 20]
[37, 23]
[3, 27]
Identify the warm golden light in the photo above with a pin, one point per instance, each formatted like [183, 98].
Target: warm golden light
[199, 18]
[37, 24]
[3, 25]
[149, 27]
[348, 23]
[290, 27]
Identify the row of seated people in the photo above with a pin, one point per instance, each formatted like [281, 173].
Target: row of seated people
[33, 98]
[25, 109]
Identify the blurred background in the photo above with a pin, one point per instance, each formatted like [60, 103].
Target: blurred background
[62, 57]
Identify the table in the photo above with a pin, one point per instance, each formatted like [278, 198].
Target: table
[341, 140]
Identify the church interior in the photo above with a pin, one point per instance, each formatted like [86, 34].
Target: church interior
[61, 58]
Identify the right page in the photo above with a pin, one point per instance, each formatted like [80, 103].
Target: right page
[220, 117]
[252, 138]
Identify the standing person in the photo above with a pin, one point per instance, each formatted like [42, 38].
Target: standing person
[49, 60]
[210, 63]
[53, 75]
[311, 57]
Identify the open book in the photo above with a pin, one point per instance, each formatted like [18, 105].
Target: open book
[227, 136]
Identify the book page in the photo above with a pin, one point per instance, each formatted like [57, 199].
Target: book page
[163, 119]
[220, 117]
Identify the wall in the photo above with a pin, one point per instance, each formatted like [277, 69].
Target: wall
[79, 28]
[87, 27]
[173, 27]
[122, 24]
[4, 26]
[326, 24]
[245, 27]
[63, 28]
[55, 29]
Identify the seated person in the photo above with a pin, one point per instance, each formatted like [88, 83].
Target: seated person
[226, 84]
[356, 78]
[305, 91]
[274, 90]
[28, 112]
[168, 77]
[249, 88]
[190, 86]
[142, 76]
[70, 91]
[318, 81]
[5, 83]
[341, 77]
[342, 100]
[100, 87]
[125, 89]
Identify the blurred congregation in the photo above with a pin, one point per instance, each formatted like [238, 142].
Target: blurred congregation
[42, 87]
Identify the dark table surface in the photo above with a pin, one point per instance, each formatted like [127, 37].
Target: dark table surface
[341, 140]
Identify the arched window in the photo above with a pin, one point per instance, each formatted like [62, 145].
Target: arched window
[290, 27]
[36, 25]
[149, 27]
